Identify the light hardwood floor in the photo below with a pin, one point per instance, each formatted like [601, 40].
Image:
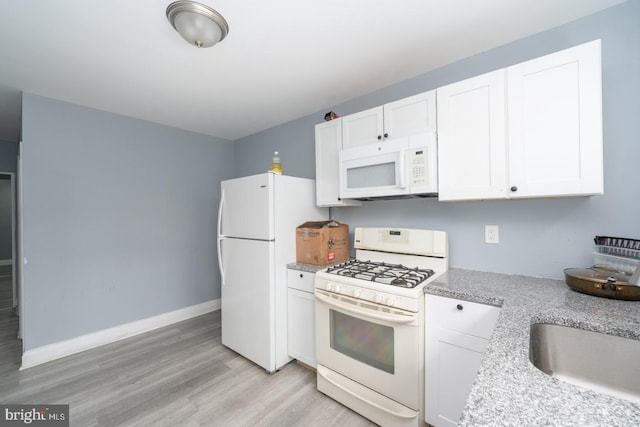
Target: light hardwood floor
[180, 375]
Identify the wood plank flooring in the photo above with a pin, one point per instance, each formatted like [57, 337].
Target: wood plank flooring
[180, 375]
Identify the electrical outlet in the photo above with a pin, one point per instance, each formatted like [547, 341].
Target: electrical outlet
[491, 234]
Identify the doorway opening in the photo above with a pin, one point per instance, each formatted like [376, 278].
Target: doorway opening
[8, 291]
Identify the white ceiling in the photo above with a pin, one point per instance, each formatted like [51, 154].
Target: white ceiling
[282, 59]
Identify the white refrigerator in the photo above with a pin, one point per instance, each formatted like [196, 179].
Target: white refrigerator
[257, 221]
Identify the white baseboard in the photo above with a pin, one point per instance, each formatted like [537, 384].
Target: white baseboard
[49, 352]
[6, 262]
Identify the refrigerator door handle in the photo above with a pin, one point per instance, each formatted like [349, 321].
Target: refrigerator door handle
[220, 237]
[220, 260]
[220, 207]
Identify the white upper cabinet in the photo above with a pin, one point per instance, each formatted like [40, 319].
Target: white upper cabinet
[410, 116]
[403, 118]
[471, 138]
[555, 124]
[530, 130]
[364, 127]
[328, 144]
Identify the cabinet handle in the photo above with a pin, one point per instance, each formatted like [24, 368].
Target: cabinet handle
[514, 188]
[301, 275]
[386, 135]
[380, 137]
[459, 307]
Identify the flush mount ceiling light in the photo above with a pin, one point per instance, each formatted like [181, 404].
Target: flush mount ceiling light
[197, 23]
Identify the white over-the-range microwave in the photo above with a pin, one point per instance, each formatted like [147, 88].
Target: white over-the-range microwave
[393, 168]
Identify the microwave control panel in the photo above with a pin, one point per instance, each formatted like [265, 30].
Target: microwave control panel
[418, 167]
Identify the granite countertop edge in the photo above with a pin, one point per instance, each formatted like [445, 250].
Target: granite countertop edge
[509, 390]
[310, 268]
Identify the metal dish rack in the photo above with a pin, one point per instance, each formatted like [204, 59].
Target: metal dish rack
[617, 253]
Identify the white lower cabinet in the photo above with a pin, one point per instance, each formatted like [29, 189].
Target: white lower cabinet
[301, 316]
[456, 336]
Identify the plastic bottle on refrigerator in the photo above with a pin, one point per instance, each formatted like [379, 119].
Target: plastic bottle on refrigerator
[276, 166]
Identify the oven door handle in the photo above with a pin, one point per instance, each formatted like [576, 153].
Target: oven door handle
[392, 318]
[322, 371]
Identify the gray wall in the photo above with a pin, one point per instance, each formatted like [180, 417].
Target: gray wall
[119, 219]
[537, 237]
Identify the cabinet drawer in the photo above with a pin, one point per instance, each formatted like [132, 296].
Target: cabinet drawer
[302, 280]
[462, 316]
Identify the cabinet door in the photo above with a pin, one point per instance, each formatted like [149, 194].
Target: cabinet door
[362, 128]
[555, 124]
[328, 144]
[456, 338]
[458, 359]
[472, 138]
[301, 330]
[410, 116]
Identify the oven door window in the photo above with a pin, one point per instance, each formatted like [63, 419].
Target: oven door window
[367, 342]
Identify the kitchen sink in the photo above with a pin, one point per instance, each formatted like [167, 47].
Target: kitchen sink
[604, 363]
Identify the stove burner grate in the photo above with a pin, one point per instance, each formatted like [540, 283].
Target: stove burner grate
[381, 272]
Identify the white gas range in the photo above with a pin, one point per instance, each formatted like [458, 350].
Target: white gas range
[370, 323]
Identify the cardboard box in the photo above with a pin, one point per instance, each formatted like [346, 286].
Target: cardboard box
[322, 242]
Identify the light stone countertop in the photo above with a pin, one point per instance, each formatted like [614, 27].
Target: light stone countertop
[509, 390]
[310, 268]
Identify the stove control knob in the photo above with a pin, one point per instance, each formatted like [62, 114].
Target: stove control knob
[390, 301]
[356, 293]
[337, 288]
[329, 286]
[378, 298]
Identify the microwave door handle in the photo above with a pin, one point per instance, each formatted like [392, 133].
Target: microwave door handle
[402, 166]
[363, 311]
